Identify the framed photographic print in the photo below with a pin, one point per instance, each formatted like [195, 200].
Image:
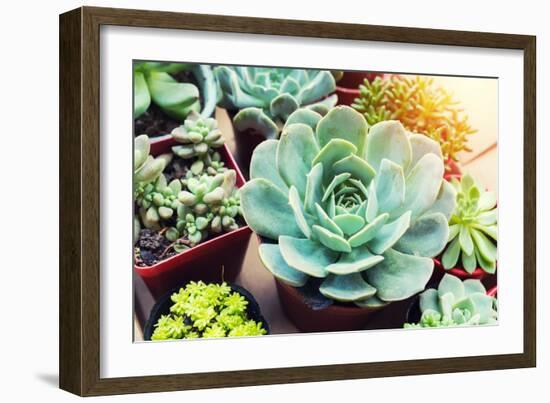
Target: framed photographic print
[251, 201]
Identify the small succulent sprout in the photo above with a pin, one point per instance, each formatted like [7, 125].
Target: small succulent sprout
[363, 213]
[147, 168]
[456, 303]
[266, 97]
[472, 228]
[153, 82]
[198, 137]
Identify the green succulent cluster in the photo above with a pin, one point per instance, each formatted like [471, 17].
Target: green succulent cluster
[206, 204]
[153, 81]
[364, 211]
[265, 97]
[198, 137]
[202, 310]
[157, 201]
[472, 228]
[456, 303]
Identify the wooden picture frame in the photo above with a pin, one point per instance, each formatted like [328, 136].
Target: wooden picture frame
[80, 195]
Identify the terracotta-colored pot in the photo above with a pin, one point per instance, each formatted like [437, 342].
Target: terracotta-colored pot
[331, 319]
[347, 88]
[217, 259]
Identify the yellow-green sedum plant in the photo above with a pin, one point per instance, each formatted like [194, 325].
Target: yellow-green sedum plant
[472, 228]
[456, 303]
[363, 211]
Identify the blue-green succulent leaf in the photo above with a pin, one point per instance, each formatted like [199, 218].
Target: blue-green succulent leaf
[451, 254]
[347, 287]
[369, 231]
[373, 302]
[390, 186]
[296, 204]
[264, 164]
[275, 217]
[306, 256]
[445, 202]
[142, 98]
[335, 150]
[487, 249]
[389, 234]
[473, 286]
[305, 116]
[337, 180]
[357, 260]
[429, 299]
[322, 84]
[283, 106]
[256, 121]
[349, 223]
[427, 236]
[357, 167]
[297, 148]
[389, 140]
[326, 222]
[314, 188]
[273, 260]
[399, 276]
[422, 145]
[331, 240]
[343, 123]
[453, 285]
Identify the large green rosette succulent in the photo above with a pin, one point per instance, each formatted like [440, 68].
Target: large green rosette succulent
[360, 212]
[265, 97]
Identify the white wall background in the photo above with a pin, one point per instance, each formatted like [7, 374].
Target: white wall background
[28, 199]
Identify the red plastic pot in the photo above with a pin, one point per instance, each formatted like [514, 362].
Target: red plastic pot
[459, 272]
[452, 170]
[217, 259]
[347, 88]
[331, 319]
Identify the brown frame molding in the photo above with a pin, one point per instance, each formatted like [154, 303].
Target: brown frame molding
[79, 200]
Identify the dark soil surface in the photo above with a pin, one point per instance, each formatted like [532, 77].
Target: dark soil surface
[176, 169]
[154, 122]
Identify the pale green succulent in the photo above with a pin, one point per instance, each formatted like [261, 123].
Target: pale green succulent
[147, 171]
[456, 303]
[197, 137]
[157, 201]
[363, 213]
[207, 204]
[153, 82]
[265, 97]
[472, 228]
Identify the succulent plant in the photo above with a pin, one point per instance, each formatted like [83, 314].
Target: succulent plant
[363, 213]
[456, 303]
[153, 81]
[265, 97]
[198, 137]
[206, 204]
[147, 171]
[472, 228]
[420, 107]
[206, 310]
[157, 201]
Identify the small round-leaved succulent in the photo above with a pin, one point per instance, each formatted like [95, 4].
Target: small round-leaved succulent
[364, 211]
[456, 303]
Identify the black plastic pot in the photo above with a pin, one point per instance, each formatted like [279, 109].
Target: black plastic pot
[162, 307]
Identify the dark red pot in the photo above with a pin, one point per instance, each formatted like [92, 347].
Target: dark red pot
[331, 319]
[452, 170]
[347, 88]
[218, 259]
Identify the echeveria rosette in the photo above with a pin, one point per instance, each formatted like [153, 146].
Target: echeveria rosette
[364, 213]
[472, 228]
[265, 97]
[153, 82]
[456, 303]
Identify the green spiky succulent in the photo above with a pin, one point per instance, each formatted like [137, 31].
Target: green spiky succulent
[420, 106]
[153, 81]
[265, 97]
[472, 228]
[198, 137]
[364, 214]
[207, 204]
[202, 310]
[456, 303]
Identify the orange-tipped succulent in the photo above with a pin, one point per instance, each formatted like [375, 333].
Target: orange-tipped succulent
[420, 106]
